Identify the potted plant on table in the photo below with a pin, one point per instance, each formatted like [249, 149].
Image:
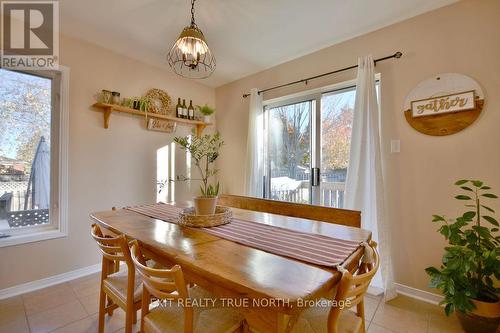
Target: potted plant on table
[204, 151]
[206, 111]
[470, 264]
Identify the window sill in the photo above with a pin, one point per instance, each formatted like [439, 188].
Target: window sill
[32, 237]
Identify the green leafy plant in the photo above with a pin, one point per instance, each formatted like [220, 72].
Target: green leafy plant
[205, 110]
[204, 151]
[471, 261]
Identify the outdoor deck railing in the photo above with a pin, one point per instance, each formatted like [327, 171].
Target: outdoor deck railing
[332, 194]
[26, 218]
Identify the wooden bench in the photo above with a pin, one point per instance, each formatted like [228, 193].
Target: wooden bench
[346, 217]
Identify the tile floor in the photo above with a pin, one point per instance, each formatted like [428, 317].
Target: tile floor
[72, 307]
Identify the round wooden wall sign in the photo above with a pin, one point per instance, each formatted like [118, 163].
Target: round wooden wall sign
[444, 104]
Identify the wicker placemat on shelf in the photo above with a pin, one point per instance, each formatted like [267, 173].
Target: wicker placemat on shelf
[189, 218]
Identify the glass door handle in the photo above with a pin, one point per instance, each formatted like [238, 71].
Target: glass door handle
[315, 176]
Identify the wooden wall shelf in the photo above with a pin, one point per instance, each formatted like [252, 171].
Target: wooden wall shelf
[107, 109]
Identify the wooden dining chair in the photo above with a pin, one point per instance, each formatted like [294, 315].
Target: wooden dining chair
[118, 288]
[350, 292]
[173, 313]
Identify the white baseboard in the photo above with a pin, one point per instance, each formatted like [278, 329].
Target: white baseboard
[68, 276]
[375, 291]
[49, 281]
[418, 294]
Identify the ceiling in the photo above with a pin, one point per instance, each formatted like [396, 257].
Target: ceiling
[246, 36]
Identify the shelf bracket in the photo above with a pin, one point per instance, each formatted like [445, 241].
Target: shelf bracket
[107, 114]
[199, 129]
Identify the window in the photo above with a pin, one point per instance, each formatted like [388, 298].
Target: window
[307, 145]
[33, 140]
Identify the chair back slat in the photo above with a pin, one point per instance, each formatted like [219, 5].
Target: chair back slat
[112, 248]
[161, 281]
[357, 290]
[162, 284]
[162, 293]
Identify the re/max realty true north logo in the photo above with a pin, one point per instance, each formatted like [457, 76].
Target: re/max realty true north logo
[30, 35]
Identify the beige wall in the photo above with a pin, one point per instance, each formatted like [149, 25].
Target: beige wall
[113, 167]
[460, 38]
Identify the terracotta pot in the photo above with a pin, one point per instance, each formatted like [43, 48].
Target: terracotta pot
[484, 319]
[205, 205]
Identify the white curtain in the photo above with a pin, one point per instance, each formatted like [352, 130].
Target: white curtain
[254, 170]
[364, 184]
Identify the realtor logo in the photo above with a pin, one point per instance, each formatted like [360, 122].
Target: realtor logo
[30, 34]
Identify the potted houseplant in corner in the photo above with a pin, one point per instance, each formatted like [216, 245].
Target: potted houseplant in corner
[206, 111]
[204, 151]
[470, 264]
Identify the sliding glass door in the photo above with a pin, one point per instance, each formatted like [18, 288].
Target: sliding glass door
[288, 152]
[307, 143]
[337, 110]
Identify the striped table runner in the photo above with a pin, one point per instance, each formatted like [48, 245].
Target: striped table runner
[307, 247]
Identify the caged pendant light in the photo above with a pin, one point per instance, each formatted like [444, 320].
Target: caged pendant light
[190, 56]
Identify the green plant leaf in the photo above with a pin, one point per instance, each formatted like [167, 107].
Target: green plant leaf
[477, 183]
[432, 271]
[463, 197]
[461, 182]
[485, 188]
[488, 208]
[466, 188]
[491, 220]
[489, 195]
[482, 231]
[469, 215]
[436, 218]
[445, 231]
[448, 309]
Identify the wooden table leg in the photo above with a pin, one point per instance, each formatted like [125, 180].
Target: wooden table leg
[282, 322]
[267, 320]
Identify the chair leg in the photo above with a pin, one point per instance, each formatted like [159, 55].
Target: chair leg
[102, 306]
[129, 317]
[244, 327]
[110, 310]
[360, 309]
[134, 317]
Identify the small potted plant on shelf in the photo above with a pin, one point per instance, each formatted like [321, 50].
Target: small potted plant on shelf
[206, 111]
[204, 151]
[470, 264]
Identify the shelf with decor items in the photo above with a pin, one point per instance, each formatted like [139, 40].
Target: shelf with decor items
[107, 109]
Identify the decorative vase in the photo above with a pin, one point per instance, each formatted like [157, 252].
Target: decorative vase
[206, 119]
[484, 319]
[205, 205]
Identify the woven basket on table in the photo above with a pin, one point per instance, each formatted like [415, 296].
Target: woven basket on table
[189, 218]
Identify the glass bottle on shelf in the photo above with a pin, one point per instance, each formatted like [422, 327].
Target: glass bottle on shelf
[178, 108]
[184, 109]
[191, 110]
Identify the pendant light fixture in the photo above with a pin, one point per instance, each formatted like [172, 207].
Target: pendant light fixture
[190, 56]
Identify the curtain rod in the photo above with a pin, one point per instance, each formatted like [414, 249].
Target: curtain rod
[396, 55]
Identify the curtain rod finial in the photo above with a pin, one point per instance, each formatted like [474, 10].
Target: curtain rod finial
[398, 55]
[246, 95]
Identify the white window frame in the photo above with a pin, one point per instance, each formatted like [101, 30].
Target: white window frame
[313, 95]
[58, 226]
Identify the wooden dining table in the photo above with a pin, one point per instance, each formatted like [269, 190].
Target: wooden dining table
[269, 289]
